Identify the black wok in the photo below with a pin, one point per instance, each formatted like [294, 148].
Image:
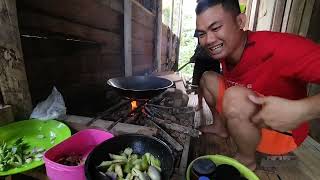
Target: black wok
[139, 143]
[139, 87]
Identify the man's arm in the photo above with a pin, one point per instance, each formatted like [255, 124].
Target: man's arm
[283, 114]
[311, 106]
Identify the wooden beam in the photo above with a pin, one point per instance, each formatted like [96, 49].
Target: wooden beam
[306, 17]
[127, 4]
[53, 25]
[99, 14]
[278, 15]
[158, 35]
[143, 8]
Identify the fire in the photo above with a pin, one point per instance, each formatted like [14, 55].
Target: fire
[134, 105]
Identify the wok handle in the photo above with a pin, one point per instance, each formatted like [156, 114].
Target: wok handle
[183, 66]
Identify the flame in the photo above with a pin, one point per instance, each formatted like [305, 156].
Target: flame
[134, 105]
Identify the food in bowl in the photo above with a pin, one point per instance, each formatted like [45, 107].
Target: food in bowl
[71, 160]
[140, 145]
[129, 166]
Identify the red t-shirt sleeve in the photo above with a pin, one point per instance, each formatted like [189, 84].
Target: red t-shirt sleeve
[301, 58]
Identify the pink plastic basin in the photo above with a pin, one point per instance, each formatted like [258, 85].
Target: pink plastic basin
[82, 143]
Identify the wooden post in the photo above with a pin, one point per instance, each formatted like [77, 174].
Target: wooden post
[127, 6]
[295, 16]
[278, 15]
[254, 15]
[179, 30]
[6, 115]
[13, 79]
[306, 17]
[248, 13]
[180, 19]
[286, 16]
[171, 33]
[158, 35]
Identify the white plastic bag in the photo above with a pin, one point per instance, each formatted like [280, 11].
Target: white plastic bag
[52, 108]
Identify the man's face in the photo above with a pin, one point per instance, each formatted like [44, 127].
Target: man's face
[219, 31]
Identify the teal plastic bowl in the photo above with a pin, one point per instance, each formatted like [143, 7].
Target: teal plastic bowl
[219, 159]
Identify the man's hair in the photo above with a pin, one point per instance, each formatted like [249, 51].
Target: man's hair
[229, 5]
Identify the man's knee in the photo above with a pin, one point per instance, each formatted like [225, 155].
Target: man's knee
[209, 86]
[236, 104]
[209, 76]
[209, 80]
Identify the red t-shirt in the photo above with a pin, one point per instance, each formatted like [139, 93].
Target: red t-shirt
[277, 64]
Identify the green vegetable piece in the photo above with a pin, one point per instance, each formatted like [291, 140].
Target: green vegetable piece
[148, 155]
[141, 175]
[124, 155]
[153, 173]
[137, 161]
[29, 160]
[134, 156]
[138, 166]
[111, 168]
[144, 163]
[117, 157]
[19, 159]
[129, 176]
[155, 162]
[128, 166]
[118, 170]
[128, 151]
[105, 164]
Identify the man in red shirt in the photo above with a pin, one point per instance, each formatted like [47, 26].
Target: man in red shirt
[261, 99]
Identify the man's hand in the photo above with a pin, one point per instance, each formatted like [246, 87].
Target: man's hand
[277, 113]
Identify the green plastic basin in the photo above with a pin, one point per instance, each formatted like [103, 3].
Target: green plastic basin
[36, 133]
[219, 159]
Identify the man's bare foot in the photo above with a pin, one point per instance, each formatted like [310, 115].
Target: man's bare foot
[213, 129]
[248, 162]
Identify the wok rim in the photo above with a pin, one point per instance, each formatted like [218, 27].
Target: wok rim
[138, 90]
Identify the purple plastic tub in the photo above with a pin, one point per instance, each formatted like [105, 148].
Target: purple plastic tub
[81, 143]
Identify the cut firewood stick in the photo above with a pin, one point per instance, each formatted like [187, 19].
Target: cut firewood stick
[121, 119]
[173, 110]
[165, 115]
[176, 127]
[166, 136]
[106, 112]
[157, 98]
[152, 113]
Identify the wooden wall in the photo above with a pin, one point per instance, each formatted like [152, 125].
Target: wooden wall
[14, 88]
[79, 69]
[314, 28]
[168, 63]
[143, 36]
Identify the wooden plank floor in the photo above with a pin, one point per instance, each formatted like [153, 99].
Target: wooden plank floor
[306, 167]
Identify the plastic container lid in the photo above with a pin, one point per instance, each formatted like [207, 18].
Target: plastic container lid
[203, 167]
[204, 178]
